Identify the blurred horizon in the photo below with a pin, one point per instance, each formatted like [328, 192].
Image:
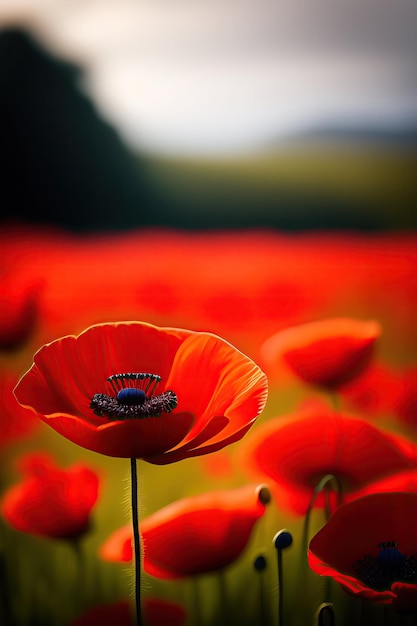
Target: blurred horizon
[71, 156]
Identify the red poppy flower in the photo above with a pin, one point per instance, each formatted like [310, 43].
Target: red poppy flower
[375, 391]
[15, 421]
[326, 353]
[369, 546]
[297, 451]
[119, 613]
[50, 501]
[193, 535]
[98, 389]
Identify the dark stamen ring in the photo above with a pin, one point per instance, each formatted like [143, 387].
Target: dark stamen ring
[136, 401]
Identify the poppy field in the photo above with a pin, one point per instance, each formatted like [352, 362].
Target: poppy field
[208, 428]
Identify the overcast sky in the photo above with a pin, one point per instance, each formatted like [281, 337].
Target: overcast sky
[224, 75]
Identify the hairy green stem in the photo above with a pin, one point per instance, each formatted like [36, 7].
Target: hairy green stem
[136, 539]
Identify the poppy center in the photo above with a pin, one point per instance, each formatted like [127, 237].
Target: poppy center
[133, 396]
[389, 566]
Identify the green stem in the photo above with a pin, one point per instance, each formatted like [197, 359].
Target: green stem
[260, 566]
[282, 540]
[280, 589]
[5, 608]
[323, 484]
[136, 539]
[80, 573]
[196, 600]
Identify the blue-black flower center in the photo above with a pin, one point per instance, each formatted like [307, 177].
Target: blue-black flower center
[389, 566]
[133, 395]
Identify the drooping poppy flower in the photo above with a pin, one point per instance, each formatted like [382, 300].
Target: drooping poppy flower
[193, 535]
[326, 353]
[50, 501]
[369, 546]
[298, 450]
[119, 613]
[99, 389]
[15, 421]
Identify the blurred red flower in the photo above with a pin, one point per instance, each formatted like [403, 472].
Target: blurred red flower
[158, 612]
[50, 501]
[194, 535]
[326, 353]
[400, 481]
[119, 613]
[297, 451]
[369, 546]
[218, 465]
[19, 309]
[375, 391]
[220, 392]
[15, 421]
[405, 406]
[200, 280]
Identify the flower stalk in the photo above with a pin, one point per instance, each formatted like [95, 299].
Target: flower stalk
[136, 539]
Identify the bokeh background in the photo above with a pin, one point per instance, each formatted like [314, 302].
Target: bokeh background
[208, 115]
[225, 166]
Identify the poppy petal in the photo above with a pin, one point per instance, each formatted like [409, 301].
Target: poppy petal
[405, 598]
[216, 380]
[176, 455]
[139, 438]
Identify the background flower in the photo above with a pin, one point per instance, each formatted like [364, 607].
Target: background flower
[15, 421]
[119, 613]
[327, 352]
[297, 451]
[158, 612]
[50, 501]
